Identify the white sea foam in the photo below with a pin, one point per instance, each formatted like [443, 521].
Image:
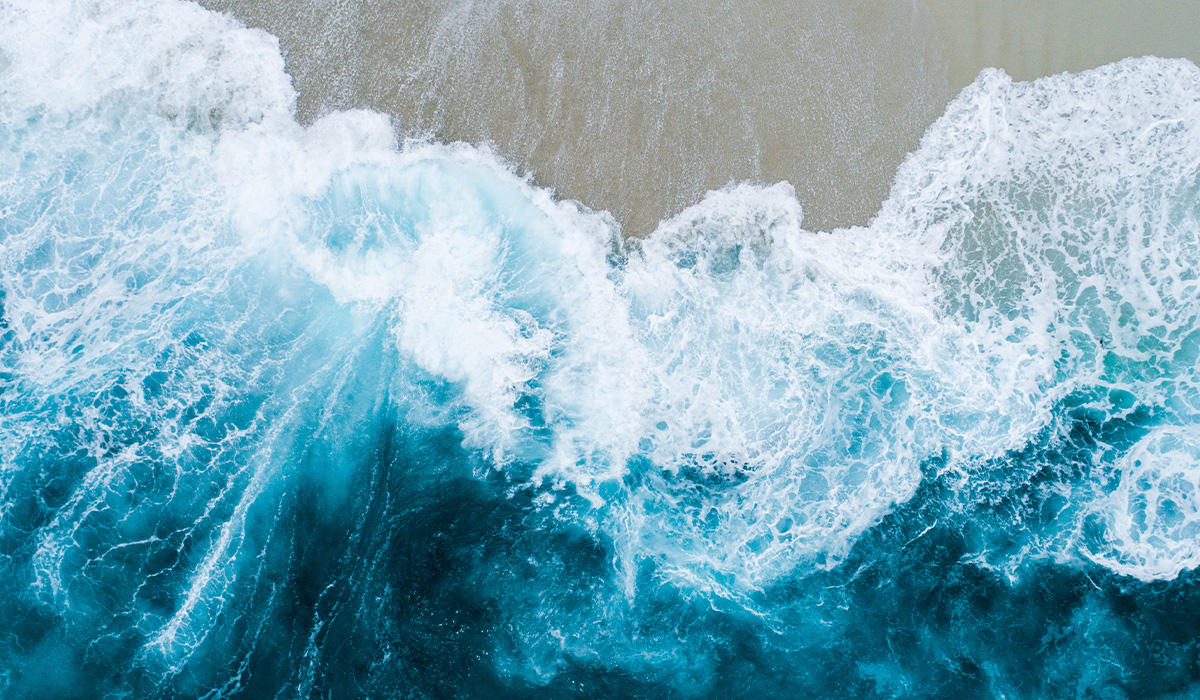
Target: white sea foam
[200, 68]
[1064, 214]
[736, 397]
[1149, 526]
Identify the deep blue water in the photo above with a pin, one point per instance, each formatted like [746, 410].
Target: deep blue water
[303, 412]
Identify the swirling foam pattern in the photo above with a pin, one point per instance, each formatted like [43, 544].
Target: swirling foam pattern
[298, 411]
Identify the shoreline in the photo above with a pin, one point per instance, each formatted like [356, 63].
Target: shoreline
[642, 111]
[1032, 39]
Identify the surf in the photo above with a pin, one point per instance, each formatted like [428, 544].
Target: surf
[252, 368]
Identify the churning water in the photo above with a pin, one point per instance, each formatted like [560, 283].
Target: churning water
[301, 411]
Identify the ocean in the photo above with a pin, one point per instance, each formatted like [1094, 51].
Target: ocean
[300, 399]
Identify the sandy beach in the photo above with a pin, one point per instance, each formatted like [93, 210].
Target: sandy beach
[638, 109]
[1031, 39]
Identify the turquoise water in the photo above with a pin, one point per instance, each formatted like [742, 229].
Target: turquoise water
[295, 411]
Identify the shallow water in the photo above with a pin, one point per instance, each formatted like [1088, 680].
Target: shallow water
[301, 411]
[637, 108]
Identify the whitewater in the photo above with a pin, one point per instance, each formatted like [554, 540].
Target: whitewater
[307, 411]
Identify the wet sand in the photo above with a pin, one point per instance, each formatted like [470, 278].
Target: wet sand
[639, 108]
[1034, 38]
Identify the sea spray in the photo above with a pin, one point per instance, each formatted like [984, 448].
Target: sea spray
[305, 410]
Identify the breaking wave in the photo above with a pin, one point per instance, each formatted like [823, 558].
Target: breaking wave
[309, 409]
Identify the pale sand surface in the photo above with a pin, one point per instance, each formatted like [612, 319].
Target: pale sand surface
[1033, 38]
[636, 107]
[639, 108]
